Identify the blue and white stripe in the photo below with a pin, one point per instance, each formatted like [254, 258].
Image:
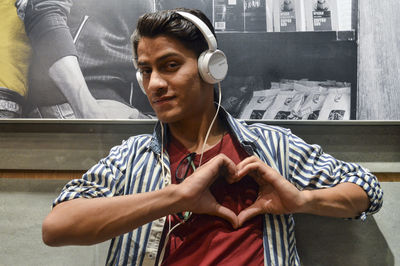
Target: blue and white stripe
[135, 167]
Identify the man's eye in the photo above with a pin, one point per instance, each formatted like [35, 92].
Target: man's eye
[145, 72]
[171, 66]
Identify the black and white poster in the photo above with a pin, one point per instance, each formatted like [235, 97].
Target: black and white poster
[73, 60]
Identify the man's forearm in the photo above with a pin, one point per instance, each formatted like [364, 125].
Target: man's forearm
[346, 200]
[91, 221]
[68, 77]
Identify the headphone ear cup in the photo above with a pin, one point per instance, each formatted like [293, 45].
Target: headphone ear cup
[140, 80]
[213, 66]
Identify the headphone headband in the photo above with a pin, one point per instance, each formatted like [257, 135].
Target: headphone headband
[205, 30]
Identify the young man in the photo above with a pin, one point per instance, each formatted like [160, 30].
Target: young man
[15, 54]
[234, 209]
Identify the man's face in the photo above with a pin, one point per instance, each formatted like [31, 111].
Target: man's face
[171, 80]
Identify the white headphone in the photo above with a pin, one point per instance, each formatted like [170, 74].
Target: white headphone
[212, 63]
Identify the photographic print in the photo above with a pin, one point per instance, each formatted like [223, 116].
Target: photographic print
[73, 60]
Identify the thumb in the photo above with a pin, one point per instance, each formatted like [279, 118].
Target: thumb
[134, 114]
[248, 213]
[226, 214]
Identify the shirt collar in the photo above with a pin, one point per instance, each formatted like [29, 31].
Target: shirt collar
[238, 128]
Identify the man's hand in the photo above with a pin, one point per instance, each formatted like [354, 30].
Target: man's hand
[116, 110]
[195, 189]
[276, 195]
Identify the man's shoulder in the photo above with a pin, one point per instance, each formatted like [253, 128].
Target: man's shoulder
[272, 128]
[265, 128]
[251, 131]
[134, 144]
[138, 139]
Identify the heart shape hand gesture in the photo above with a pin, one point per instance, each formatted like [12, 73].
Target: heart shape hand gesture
[276, 195]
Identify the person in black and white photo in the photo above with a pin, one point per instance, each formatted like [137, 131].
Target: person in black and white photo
[82, 65]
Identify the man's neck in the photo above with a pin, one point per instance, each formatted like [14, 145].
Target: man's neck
[193, 133]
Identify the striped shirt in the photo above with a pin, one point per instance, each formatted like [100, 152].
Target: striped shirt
[135, 167]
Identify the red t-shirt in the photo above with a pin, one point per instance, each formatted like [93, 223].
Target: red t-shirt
[210, 240]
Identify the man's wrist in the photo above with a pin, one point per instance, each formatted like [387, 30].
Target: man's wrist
[307, 201]
[175, 198]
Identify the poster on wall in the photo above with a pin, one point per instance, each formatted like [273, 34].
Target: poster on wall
[73, 60]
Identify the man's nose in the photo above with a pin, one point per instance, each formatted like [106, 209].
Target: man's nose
[156, 82]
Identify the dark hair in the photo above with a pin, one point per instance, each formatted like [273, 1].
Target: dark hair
[170, 23]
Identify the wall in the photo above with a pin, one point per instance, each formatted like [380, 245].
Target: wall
[77, 145]
[379, 60]
[320, 240]
[41, 152]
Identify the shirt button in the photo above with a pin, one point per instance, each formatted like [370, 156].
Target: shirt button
[166, 181]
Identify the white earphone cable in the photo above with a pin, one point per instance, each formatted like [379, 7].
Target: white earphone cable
[212, 123]
[161, 258]
[162, 150]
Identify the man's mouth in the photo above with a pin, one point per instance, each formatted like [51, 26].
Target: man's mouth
[163, 99]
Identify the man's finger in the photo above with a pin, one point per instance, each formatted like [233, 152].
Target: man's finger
[248, 213]
[226, 166]
[244, 168]
[259, 171]
[221, 165]
[248, 160]
[226, 214]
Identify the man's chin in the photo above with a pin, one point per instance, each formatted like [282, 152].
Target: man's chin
[166, 118]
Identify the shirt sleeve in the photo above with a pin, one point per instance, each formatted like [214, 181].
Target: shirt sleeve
[311, 168]
[105, 179]
[46, 26]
